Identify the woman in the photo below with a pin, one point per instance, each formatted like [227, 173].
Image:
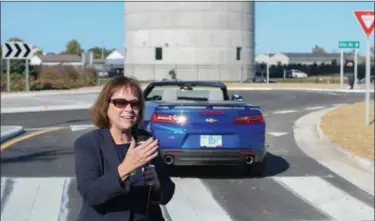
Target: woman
[118, 178]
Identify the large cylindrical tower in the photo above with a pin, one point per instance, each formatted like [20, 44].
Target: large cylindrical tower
[198, 40]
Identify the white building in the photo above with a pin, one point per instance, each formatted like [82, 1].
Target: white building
[60, 59]
[116, 54]
[199, 40]
[116, 58]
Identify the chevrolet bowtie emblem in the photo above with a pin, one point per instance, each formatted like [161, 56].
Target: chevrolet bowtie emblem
[210, 120]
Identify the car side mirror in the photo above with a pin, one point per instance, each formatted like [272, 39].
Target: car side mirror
[237, 97]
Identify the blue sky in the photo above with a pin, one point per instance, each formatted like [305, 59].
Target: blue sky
[280, 26]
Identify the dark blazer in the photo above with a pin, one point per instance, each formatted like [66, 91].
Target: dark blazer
[104, 196]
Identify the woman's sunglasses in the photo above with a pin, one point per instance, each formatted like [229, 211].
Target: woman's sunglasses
[123, 103]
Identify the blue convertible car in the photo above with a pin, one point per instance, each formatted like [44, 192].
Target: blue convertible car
[198, 124]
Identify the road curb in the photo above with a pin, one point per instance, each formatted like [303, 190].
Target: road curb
[328, 154]
[362, 162]
[8, 132]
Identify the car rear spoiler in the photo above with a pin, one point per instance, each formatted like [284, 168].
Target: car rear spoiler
[207, 105]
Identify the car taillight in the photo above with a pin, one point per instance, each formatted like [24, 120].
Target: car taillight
[168, 118]
[252, 119]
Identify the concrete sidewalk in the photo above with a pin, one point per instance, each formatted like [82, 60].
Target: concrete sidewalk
[314, 143]
[9, 132]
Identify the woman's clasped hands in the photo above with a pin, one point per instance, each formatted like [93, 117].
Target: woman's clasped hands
[138, 156]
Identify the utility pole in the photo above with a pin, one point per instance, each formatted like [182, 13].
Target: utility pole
[102, 49]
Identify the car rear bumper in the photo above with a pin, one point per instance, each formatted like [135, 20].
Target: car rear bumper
[197, 157]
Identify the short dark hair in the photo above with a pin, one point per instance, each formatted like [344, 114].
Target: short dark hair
[100, 108]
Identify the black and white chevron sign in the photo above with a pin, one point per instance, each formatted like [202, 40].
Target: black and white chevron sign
[17, 50]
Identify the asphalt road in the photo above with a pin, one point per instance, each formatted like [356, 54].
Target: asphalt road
[241, 198]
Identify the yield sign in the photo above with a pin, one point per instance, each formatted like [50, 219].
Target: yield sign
[366, 20]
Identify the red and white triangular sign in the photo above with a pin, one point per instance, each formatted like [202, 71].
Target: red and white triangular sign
[366, 20]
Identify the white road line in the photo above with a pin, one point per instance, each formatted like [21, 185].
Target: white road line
[179, 208]
[277, 134]
[285, 111]
[332, 93]
[64, 201]
[21, 200]
[313, 220]
[48, 200]
[331, 200]
[3, 181]
[194, 201]
[81, 127]
[314, 108]
[34, 199]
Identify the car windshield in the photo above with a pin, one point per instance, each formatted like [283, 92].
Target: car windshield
[192, 93]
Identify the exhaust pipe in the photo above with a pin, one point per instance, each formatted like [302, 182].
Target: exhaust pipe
[168, 160]
[249, 160]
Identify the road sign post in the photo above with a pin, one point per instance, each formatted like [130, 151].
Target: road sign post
[8, 75]
[366, 20]
[268, 67]
[17, 51]
[346, 45]
[355, 68]
[341, 69]
[27, 85]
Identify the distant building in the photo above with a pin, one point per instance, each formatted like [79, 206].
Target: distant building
[59, 59]
[116, 54]
[301, 58]
[116, 58]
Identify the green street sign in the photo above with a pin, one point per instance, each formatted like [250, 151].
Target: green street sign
[349, 44]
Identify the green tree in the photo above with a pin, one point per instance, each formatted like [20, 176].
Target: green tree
[318, 49]
[38, 52]
[73, 47]
[97, 51]
[16, 39]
